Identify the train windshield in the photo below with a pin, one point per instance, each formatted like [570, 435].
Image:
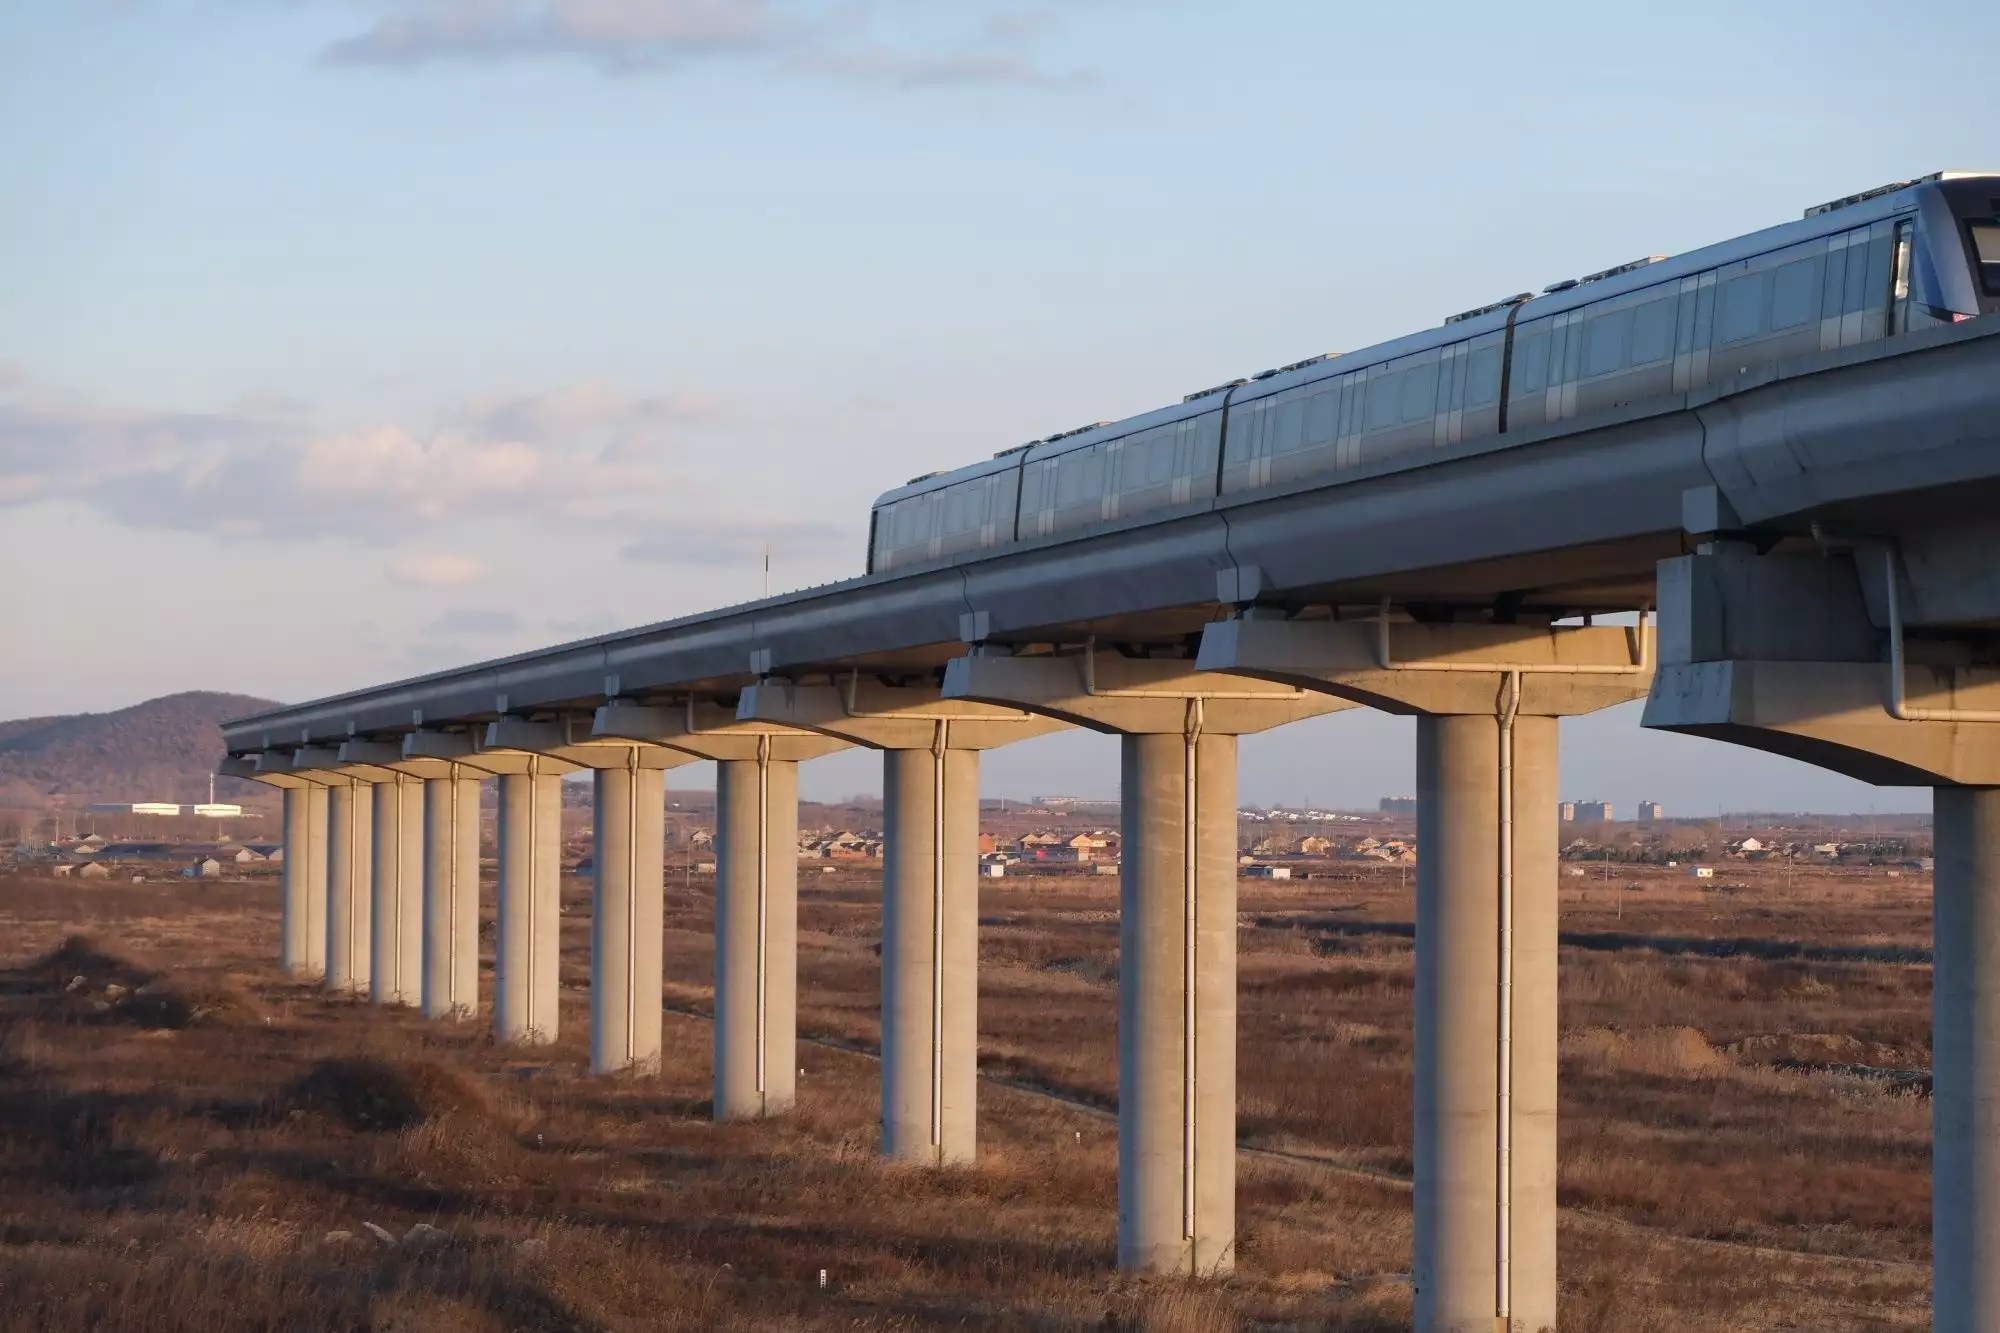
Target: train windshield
[1986, 250]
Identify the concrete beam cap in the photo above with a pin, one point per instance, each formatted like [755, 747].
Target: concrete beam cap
[1109, 692]
[889, 717]
[1440, 669]
[708, 730]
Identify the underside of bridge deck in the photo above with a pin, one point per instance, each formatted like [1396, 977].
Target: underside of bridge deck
[1811, 656]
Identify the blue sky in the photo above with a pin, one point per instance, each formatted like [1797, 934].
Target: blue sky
[343, 339]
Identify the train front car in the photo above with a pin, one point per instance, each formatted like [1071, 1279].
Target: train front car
[1956, 273]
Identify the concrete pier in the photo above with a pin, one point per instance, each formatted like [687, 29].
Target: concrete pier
[1965, 1061]
[302, 901]
[756, 936]
[350, 853]
[930, 888]
[527, 952]
[1177, 922]
[395, 970]
[930, 955]
[1487, 697]
[1485, 1094]
[756, 885]
[451, 894]
[1177, 1004]
[626, 922]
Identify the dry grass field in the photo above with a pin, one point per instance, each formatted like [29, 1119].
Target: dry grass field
[188, 1142]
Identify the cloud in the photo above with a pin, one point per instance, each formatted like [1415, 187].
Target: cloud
[55, 447]
[436, 569]
[625, 37]
[578, 460]
[1020, 25]
[467, 620]
[615, 35]
[964, 69]
[716, 543]
[627, 427]
[581, 454]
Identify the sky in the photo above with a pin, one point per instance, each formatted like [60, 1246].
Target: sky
[342, 340]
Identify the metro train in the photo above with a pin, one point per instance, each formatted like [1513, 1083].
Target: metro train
[1873, 265]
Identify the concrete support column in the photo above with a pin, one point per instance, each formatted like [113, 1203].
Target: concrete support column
[1177, 726]
[349, 876]
[1485, 1150]
[930, 953]
[1965, 1061]
[302, 925]
[756, 935]
[627, 923]
[527, 955]
[1177, 1003]
[396, 914]
[451, 895]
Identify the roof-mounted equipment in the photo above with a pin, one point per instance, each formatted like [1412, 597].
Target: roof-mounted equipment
[1833, 205]
[1464, 315]
[1204, 393]
[1299, 365]
[1016, 449]
[1615, 270]
[925, 477]
[1074, 430]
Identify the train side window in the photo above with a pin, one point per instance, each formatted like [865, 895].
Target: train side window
[1604, 339]
[1833, 277]
[1322, 413]
[913, 525]
[1739, 311]
[1653, 330]
[1246, 433]
[1531, 362]
[1031, 488]
[1290, 431]
[1854, 297]
[1160, 456]
[1073, 482]
[1382, 405]
[1795, 294]
[1482, 387]
[1095, 462]
[1246, 426]
[1207, 437]
[1419, 392]
[959, 514]
[1881, 255]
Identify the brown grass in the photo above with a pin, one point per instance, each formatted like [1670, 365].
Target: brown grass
[370, 1093]
[1729, 1160]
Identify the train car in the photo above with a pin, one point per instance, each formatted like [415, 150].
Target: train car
[1870, 266]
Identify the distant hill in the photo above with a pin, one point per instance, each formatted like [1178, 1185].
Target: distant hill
[160, 750]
